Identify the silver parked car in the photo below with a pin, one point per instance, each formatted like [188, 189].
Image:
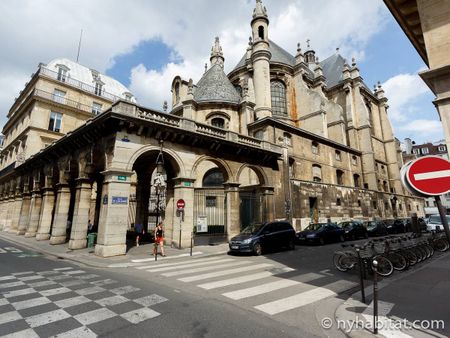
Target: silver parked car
[434, 221]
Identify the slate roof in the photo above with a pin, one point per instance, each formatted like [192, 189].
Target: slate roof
[214, 86]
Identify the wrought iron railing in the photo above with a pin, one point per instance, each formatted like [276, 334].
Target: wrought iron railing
[62, 100]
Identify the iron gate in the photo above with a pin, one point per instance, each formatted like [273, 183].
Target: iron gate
[250, 208]
[210, 207]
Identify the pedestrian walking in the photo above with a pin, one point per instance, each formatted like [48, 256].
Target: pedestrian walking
[90, 226]
[159, 239]
[139, 230]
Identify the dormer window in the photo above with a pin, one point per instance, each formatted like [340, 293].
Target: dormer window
[128, 96]
[218, 122]
[98, 88]
[62, 74]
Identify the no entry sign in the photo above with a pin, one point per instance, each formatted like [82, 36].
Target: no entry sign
[180, 204]
[429, 175]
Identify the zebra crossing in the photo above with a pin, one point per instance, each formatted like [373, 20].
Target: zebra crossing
[256, 282]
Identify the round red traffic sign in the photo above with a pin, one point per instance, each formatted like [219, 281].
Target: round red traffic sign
[429, 175]
[180, 204]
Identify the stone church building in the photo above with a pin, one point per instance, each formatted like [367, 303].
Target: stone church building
[279, 137]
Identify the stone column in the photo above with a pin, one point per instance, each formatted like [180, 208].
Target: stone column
[61, 214]
[183, 189]
[2, 212]
[8, 212]
[112, 229]
[233, 209]
[45, 217]
[267, 204]
[35, 209]
[24, 211]
[17, 207]
[81, 214]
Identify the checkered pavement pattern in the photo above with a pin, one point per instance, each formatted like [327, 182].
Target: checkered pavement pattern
[66, 302]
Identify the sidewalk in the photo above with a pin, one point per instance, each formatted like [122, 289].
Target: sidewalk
[414, 303]
[134, 256]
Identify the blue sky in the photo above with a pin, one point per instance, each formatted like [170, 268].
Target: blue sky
[158, 40]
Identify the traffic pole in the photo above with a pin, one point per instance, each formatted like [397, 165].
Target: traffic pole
[443, 216]
[375, 297]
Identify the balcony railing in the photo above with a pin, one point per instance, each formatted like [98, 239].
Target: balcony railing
[62, 100]
[77, 84]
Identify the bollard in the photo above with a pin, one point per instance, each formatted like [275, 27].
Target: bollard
[361, 276]
[192, 240]
[155, 248]
[375, 297]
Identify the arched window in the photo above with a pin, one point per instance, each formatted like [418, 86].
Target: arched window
[261, 32]
[287, 139]
[356, 180]
[218, 122]
[339, 177]
[213, 178]
[278, 93]
[315, 147]
[317, 173]
[177, 92]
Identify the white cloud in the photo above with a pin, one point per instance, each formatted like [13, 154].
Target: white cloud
[403, 91]
[33, 31]
[423, 130]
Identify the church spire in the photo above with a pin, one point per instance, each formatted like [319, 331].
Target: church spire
[260, 11]
[217, 54]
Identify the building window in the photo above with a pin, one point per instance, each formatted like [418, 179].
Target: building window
[417, 207]
[62, 74]
[409, 207]
[317, 173]
[98, 88]
[374, 204]
[338, 201]
[338, 155]
[287, 139]
[357, 183]
[359, 203]
[339, 177]
[354, 160]
[128, 96]
[385, 186]
[96, 108]
[213, 178]
[386, 205]
[416, 151]
[400, 206]
[278, 92]
[177, 92]
[425, 151]
[238, 89]
[291, 168]
[58, 96]
[55, 122]
[315, 148]
[218, 122]
[211, 201]
[259, 134]
[441, 148]
[427, 204]
[261, 32]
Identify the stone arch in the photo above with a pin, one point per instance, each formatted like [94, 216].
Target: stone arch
[221, 164]
[260, 173]
[169, 155]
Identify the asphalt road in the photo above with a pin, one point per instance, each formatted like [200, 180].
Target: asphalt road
[42, 297]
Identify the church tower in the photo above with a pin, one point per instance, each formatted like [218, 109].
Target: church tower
[217, 54]
[260, 59]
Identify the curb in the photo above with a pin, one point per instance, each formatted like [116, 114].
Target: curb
[342, 313]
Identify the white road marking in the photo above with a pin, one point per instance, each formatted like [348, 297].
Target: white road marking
[190, 265]
[139, 315]
[303, 298]
[63, 269]
[224, 272]
[124, 289]
[234, 281]
[260, 289]
[81, 332]
[89, 291]
[74, 272]
[48, 273]
[9, 317]
[29, 333]
[3, 301]
[11, 285]
[26, 304]
[13, 249]
[162, 264]
[110, 301]
[53, 292]
[7, 278]
[90, 276]
[47, 318]
[72, 282]
[72, 301]
[22, 273]
[150, 300]
[432, 174]
[195, 270]
[94, 316]
[43, 283]
[103, 282]
[165, 258]
[27, 278]
[20, 292]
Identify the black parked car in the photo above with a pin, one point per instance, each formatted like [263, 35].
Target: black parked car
[321, 233]
[354, 229]
[376, 228]
[258, 238]
[395, 226]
